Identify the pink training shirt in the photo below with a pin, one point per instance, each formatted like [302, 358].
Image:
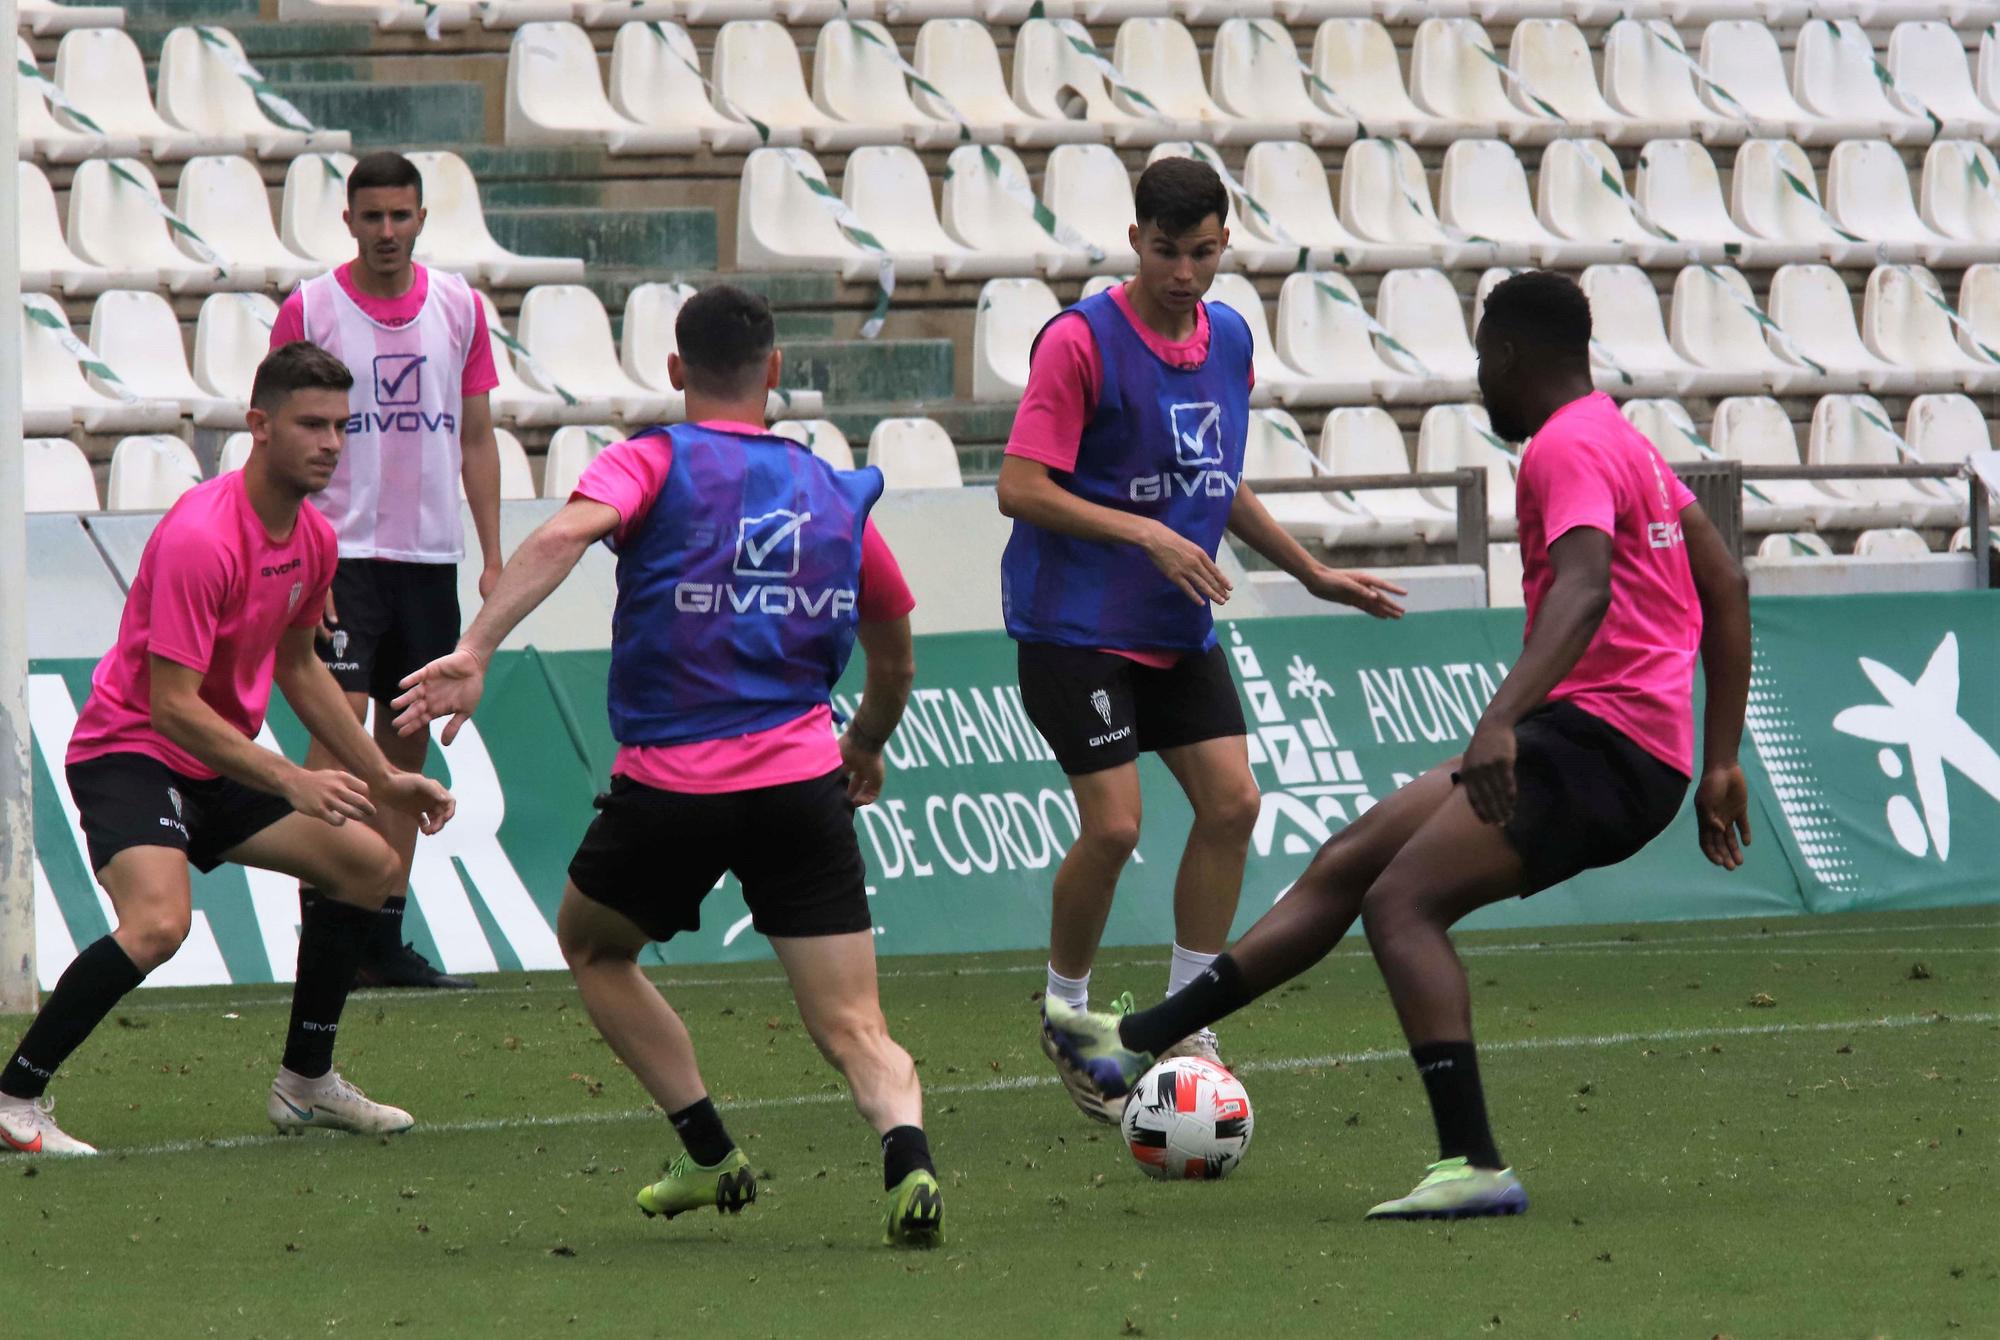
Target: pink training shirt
[1589, 467]
[215, 593]
[627, 477]
[479, 375]
[1064, 379]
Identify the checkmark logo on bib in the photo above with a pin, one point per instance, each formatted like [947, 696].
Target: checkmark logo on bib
[768, 545]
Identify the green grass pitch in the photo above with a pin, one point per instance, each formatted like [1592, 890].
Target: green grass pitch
[1754, 1129]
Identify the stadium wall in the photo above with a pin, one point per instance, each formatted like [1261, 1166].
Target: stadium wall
[1870, 753]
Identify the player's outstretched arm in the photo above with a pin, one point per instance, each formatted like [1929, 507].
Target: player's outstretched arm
[892, 671]
[1027, 493]
[479, 469]
[1721, 797]
[1251, 522]
[451, 685]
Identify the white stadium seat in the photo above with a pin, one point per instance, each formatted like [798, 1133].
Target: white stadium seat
[564, 327]
[1868, 193]
[1452, 77]
[782, 224]
[822, 437]
[1275, 377]
[1552, 57]
[1275, 447]
[757, 74]
[1756, 431]
[1928, 58]
[47, 263]
[983, 217]
[1765, 198]
[232, 335]
[235, 453]
[517, 477]
[1856, 430]
[199, 92]
[1322, 331]
[1792, 546]
[148, 474]
[54, 395]
[138, 336]
[1890, 542]
[1354, 56]
[309, 214]
[1680, 190]
[57, 476]
[455, 235]
[856, 79]
[112, 225]
[1945, 430]
[914, 454]
[1574, 202]
[1901, 322]
[1364, 440]
[646, 334]
[656, 81]
[555, 96]
[1455, 437]
[1254, 75]
[1085, 185]
[1712, 327]
[1667, 425]
[1741, 57]
[224, 200]
[1385, 197]
[571, 450]
[1979, 303]
[1951, 198]
[1644, 79]
[1420, 308]
[44, 17]
[1504, 577]
[888, 186]
[390, 15]
[1158, 57]
[1483, 191]
[1811, 304]
[1833, 76]
[504, 14]
[517, 402]
[1288, 180]
[104, 75]
[958, 55]
[46, 137]
[1010, 314]
[1626, 325]
[1046, 63]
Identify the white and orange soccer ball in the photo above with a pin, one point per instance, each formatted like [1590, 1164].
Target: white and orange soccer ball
[1187, 1119]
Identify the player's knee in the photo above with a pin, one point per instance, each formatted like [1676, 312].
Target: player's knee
[1112, 839]
[373, 874]
[853, 1036]
[154, 936]
[1388, 912]
[1233, 814]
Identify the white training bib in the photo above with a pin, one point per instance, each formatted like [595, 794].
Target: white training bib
[396, 492]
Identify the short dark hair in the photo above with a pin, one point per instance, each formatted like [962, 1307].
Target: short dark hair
[724, 334]
[1540, 309]
[298, 366]
[384, 168]
[1178, 193]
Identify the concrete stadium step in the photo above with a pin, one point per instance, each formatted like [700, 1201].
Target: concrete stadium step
[383, 116]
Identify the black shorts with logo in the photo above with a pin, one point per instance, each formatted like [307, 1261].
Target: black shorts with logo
[1098, 710]
[393, 618]
[1586, 795]
[653, 855]
[134, 800]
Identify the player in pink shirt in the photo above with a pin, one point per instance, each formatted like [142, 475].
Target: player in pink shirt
[419, 425]
[1583, 756]
[165, 771]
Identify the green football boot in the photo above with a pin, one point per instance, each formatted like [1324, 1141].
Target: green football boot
[1454, 1189]
[1090, 1099]
[916, 1212]
[728, 1186]
[1096, 1067]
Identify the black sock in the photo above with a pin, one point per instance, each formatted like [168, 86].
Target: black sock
[332, 935]
[904, 1151]
[1216, 991]
[699, 1126]
[95, 981]
[1450, 1073]
[387, 937]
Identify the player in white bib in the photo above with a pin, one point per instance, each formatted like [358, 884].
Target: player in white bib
[419, 425]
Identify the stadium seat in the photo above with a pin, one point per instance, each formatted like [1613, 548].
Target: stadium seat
[101, 71]
[1868, 194]
[1046, 63]
[309, 213]
[1323, 331]
[564, 328]
[1741, 56]
[1945, 430]
[1085, 185]
[1385, 197]
[1575, 202]
[149, 473]
[1504, 577]
[1010, 314]
[757, 75]
[1275, 448]
[46, 17]
[980, 214]
[1158, 57]
[1454, 437]
[1856, 430]
[1254, 75]
[455, 236]
[620, 14]
[505, 14]
[1952, 199]
[856, 79]
[1979, 303]
[391, 15]
[1756, 431]
[47, 263]
[1483, 192]
[235, 453]
[232, 335]
[782, 224]
[57, 475]
[1986, 67]
[1902, 322]
[1630, 353]
[224, 200]
[1354, 56]
[1552, 57]
[199, 92]
[1288, 180]
[890, 189]
[1775, 196]
[1833, 77]
[517, 477]
[1791, 546]
[656, 81]
[1096, 284]
[1667, 425]
[1420, 309]
[1891, 542]
[1364, 440]
[1644, 79]
[1452, 77]
[958, 54]
[914, 454]
[571, 450]
[1714, 325]
[112, 226]
[647, 339]
[1680, 190]
[54, 395]
[822, 437]
[45, 137]
[555, 96]
[517, 402]
[1276, 377]
[1810, 303]
[1961, 540]
[137, 335]
[1928, 58]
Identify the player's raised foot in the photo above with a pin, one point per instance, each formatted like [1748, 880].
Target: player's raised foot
[1200, 1044]
[916, 1212]
[728, 1185]
[403, 966]
[28, 1126]
[1094, 1063]
[1454, 1189]
[330, 1103]
[1089, 1099]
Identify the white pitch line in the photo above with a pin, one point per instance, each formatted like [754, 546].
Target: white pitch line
[821, 1098]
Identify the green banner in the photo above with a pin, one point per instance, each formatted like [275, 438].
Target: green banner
[1873, 774]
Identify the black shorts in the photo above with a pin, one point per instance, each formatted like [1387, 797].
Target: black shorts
[1098, 710]
[1585, 794]
[653, 855]
[134, 800]
[393, 618]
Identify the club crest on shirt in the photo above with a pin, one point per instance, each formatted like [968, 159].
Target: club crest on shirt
[174, 797]
[1101, 700]
[292, 599]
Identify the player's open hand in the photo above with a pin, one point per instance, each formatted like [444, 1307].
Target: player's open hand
[1187, 566]
[414, 793]
[1722, 814]
[450, 686]
[1363, 590]
[1487, 772]
[865, 773]
[329, 795]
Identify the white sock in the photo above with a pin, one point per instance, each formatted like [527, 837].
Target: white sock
[1186, 966]
[1074, 991]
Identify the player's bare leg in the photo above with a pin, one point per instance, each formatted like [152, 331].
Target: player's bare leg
[1215, 775]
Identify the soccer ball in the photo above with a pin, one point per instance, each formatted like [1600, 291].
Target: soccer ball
[1187, 1118]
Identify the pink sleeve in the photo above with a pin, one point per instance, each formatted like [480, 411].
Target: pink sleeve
[480, 375]
[1575, 491]
[291, 322]
[1063, 382]
[626, 476]
[190, 590]
[885, 595]
[1680, 492]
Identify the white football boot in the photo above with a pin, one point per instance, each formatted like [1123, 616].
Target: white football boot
[330, 1103]
[28, 1126]
[1201, 1044]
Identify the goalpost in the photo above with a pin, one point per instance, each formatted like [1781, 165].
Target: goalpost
[17, 833]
